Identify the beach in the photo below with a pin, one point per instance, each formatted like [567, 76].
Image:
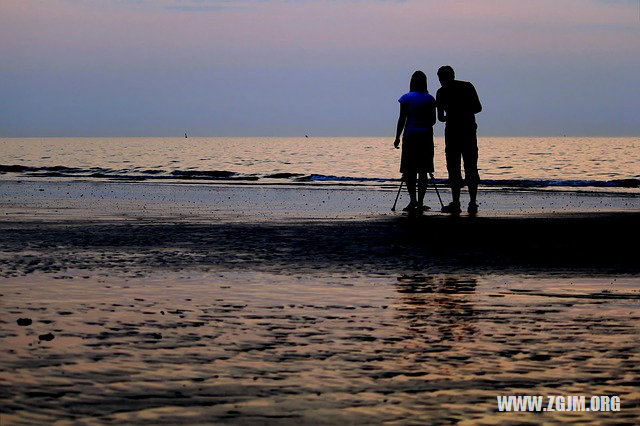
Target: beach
[275, 304]
[202, 212]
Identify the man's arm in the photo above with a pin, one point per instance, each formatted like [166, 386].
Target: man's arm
[476, 106]
[402, 120]
[441, 113]
[432, 113]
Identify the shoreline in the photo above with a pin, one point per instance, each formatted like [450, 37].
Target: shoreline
[73, 200]
[174, 228]
[382, 185]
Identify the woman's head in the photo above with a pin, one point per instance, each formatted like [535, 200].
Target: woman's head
[418, 82]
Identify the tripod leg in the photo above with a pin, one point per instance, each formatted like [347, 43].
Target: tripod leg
[436, 188]
[393, 209]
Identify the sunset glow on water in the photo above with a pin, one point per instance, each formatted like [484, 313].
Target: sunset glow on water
[563, 163]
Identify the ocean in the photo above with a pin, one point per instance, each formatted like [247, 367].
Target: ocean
[553, 163]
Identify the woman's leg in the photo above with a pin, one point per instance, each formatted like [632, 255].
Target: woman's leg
[422, 187]
[410, 178]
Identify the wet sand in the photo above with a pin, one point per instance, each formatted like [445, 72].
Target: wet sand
[217, 203]
[205, 312]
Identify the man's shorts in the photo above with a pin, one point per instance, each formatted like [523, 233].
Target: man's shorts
[417, 153]
[461, 142]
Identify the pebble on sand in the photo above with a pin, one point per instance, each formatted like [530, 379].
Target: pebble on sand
[46, 337]
[24, 321]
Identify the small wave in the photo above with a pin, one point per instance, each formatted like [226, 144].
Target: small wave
[540, 183]
[283, 175]
[207, 175]
[198, 174]
[48, 170]
[15, 168]
[329, 178]
[63, 169]
[117, 177]
[47, 174]
[122, 174]
[227, 175]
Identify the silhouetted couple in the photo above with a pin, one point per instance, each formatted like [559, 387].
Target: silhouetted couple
[457, 103]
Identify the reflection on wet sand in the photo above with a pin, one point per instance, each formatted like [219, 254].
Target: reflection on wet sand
[249, 347]
[439, 308]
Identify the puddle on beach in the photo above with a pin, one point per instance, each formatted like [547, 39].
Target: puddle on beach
[255, 348]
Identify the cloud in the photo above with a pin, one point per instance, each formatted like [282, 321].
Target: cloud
[199, 8]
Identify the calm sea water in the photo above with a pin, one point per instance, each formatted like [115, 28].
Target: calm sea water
[560, 162]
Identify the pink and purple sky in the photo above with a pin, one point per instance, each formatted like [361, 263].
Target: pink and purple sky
[317, 67]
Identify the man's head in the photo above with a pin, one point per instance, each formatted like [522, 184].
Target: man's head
[446, 74]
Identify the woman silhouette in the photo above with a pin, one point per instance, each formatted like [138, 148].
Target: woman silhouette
[417, 117]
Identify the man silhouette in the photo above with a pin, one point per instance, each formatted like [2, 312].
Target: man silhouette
[457, 103]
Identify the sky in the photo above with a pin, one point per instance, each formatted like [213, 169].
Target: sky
[83, 68]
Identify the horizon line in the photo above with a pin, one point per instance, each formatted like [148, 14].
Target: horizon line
[314, 136]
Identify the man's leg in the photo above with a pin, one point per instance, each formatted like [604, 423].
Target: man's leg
[472, 209]
[453, 156]
[470, 157]
[473, 192]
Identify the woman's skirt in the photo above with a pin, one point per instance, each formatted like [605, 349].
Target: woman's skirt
[417, 152]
